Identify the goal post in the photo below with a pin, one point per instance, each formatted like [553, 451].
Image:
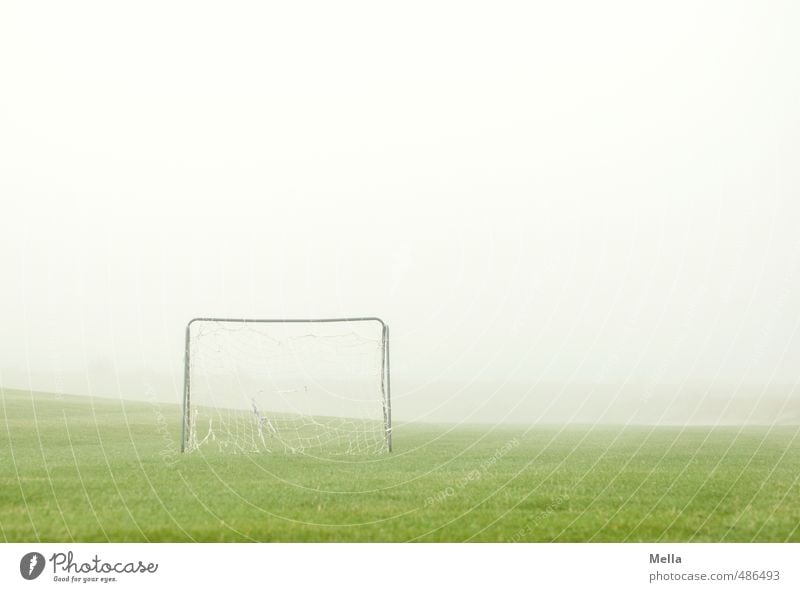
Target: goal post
[313, 386]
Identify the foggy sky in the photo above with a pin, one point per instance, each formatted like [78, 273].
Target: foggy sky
[535, 196]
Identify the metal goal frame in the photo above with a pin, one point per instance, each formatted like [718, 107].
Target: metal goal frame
[386, 390]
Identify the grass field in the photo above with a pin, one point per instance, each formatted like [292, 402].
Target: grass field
[79, 469]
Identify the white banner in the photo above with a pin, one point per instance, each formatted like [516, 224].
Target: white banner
[404, 568]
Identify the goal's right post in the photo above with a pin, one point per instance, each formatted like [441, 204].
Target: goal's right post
[386, 385]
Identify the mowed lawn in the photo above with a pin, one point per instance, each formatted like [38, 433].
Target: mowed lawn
[80, 469]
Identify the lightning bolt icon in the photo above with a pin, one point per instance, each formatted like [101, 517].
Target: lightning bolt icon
[34, 561]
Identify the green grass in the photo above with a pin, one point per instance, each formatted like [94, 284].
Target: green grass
[77, 469]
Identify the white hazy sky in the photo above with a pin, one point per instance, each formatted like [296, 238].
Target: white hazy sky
[530, 193]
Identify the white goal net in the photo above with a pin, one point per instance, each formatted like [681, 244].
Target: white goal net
[316, 387]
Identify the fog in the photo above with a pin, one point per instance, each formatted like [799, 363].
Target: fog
[570, 211]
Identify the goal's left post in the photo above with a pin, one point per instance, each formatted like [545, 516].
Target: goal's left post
[185, 410]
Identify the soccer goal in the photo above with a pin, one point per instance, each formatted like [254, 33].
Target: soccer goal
[300, 386]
